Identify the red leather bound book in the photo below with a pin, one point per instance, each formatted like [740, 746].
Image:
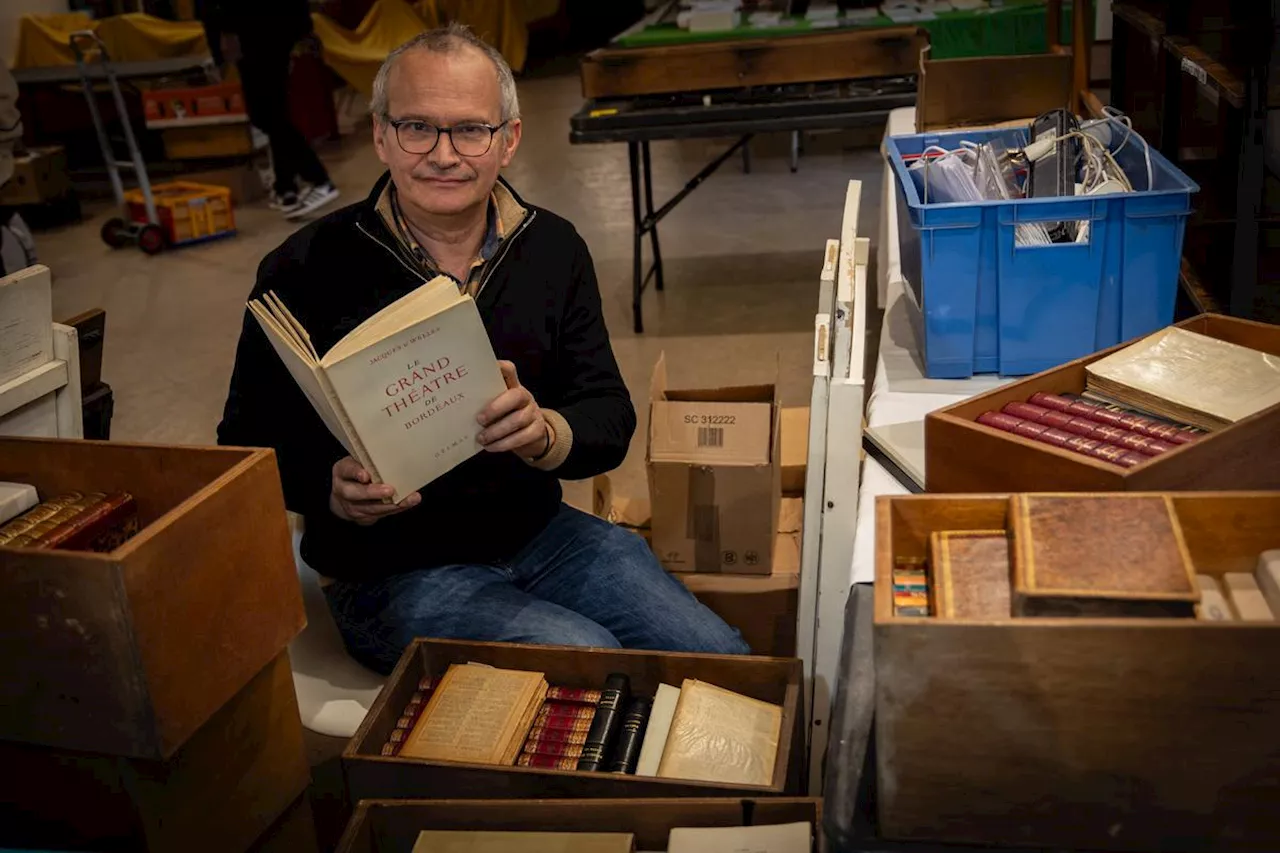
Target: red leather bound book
[93, 522]
[549, 761]
[550, 747]
[1049, 435]
[1089, 429]
[1122, 420]
[545, 734]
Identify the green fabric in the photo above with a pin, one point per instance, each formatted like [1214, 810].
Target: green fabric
[1016, 28]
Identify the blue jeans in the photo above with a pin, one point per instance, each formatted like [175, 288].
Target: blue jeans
[581, 582]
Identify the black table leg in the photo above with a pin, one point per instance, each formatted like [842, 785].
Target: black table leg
[637, 281]
[650, 222]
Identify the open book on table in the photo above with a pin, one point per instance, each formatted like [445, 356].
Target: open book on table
[402, 390]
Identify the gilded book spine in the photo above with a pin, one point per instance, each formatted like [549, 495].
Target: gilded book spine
[606, 723]
[1114, 417]
[1076, 443]
[408, 719]
[1090, 429]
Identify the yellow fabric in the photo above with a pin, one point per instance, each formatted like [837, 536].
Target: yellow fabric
[355, 56]
[44, 40]
[499, 22]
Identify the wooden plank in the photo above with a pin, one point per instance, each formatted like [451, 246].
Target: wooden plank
[982, 90]
[32, 385]
[67, 399]
[627, 72]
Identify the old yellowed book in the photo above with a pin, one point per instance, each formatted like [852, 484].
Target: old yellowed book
[721, 736]
[402, 390]
[1189, 378]
[478, 714]
[758, 838]
[476, 841]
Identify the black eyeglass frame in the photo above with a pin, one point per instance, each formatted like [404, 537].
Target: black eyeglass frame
[493, 129]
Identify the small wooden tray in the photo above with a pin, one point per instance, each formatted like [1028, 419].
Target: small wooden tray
[371, 775]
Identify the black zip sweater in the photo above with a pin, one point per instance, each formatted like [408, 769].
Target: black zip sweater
[540, 303]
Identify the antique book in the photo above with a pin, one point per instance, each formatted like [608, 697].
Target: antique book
[1044, 434]
[1088, 428]
[477, 714]
[971, 574]
[402, 390]
[1246, 598]
[75, 521]
[573, 695]
[1268, 577]
[655, 734]
[1213, 606]
[26, 322]
[759, 838]
[1189, 377]
[1117, 416]
[548, 762]
[911, 587]
[606, 723]
[721, 736]
[409, 717]
[15, 499]
[1100, 555]
[478, 841]
[634, 722]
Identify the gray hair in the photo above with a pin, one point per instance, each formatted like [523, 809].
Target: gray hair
[446, 40]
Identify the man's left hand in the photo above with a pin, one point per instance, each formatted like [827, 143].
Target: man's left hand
[513, 420]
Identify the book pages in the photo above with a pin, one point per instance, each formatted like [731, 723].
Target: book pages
[760, 838]
[475, 714]
[1189, 377]
[655, 735]
[721, 736]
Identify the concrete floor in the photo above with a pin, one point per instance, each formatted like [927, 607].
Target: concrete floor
[742, 255]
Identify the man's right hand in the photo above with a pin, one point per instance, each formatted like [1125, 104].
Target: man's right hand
[356, 498]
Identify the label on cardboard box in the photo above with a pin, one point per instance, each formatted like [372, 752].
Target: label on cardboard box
[723, 433]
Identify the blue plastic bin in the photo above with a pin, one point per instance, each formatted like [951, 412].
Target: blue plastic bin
[988, 305]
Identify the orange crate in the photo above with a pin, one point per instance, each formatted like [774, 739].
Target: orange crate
[188, 212]
[221, 102]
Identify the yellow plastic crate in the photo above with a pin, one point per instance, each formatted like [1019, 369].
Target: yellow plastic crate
[188, 212]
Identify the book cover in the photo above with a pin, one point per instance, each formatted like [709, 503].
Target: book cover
[759, 838]
[606, 722]
[477, 714]
[409, 717]
[655, 734]
[1100, 555]
[971, 572]
[76, 521]
[1189, 377]
[402, 390]
[721, 736]
[480, 841]
[634, 722]
[1088, 428]
[1051, 435]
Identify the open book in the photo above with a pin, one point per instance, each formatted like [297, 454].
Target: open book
[402, 390]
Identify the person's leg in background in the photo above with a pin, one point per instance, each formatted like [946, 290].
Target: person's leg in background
[264, 74]
[378, 619]
[609, 575]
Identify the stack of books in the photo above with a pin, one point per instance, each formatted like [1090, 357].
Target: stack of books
[481, 714]
[74, 521]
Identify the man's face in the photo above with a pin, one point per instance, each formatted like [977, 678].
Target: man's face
[445, 90]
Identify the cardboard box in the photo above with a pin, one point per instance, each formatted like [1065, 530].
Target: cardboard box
[372, 775]
[714, 477]
[1088, 734]
[130, 652]
[207, 142]
[39, 176]
[962, 455]
[795, 449]
[988, 90]
[388, 826]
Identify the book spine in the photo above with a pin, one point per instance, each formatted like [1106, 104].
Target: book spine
[631, 736]
[566, 724]
[575, 735]
[1058, 438]
[50, 513]
[408, 719]
[573, 696]
[606, 722]
[1090, 429]
[98, 523]
[1124, 420]
[545, 747]
[551, 762]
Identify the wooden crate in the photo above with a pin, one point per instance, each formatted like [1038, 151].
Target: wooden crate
[130, 652]
[1079, 733]
[391, 826]
[221, 790]
[371, 775]
[962, 455]
[840, 55]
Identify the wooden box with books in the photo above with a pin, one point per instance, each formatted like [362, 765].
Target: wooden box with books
[129, 651]
[392, 826]
[510, 721]
[1044, 430]
[1139, 716]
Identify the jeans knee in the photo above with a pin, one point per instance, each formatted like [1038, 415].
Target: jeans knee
[585, 633]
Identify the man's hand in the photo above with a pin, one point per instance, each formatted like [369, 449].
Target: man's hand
[354, 498]
[513, 420]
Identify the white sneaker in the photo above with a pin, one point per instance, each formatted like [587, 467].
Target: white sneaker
[286, 203]
[312, 200]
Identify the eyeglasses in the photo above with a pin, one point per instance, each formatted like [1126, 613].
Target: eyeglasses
[471, 139]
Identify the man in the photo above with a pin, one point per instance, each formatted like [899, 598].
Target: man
[261, 43]
[488, 551]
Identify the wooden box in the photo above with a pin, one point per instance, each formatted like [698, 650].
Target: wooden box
[962, 455]
[1146, 734]
[130, 652]
[371, 775]
[221, 790]
[391, 826]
